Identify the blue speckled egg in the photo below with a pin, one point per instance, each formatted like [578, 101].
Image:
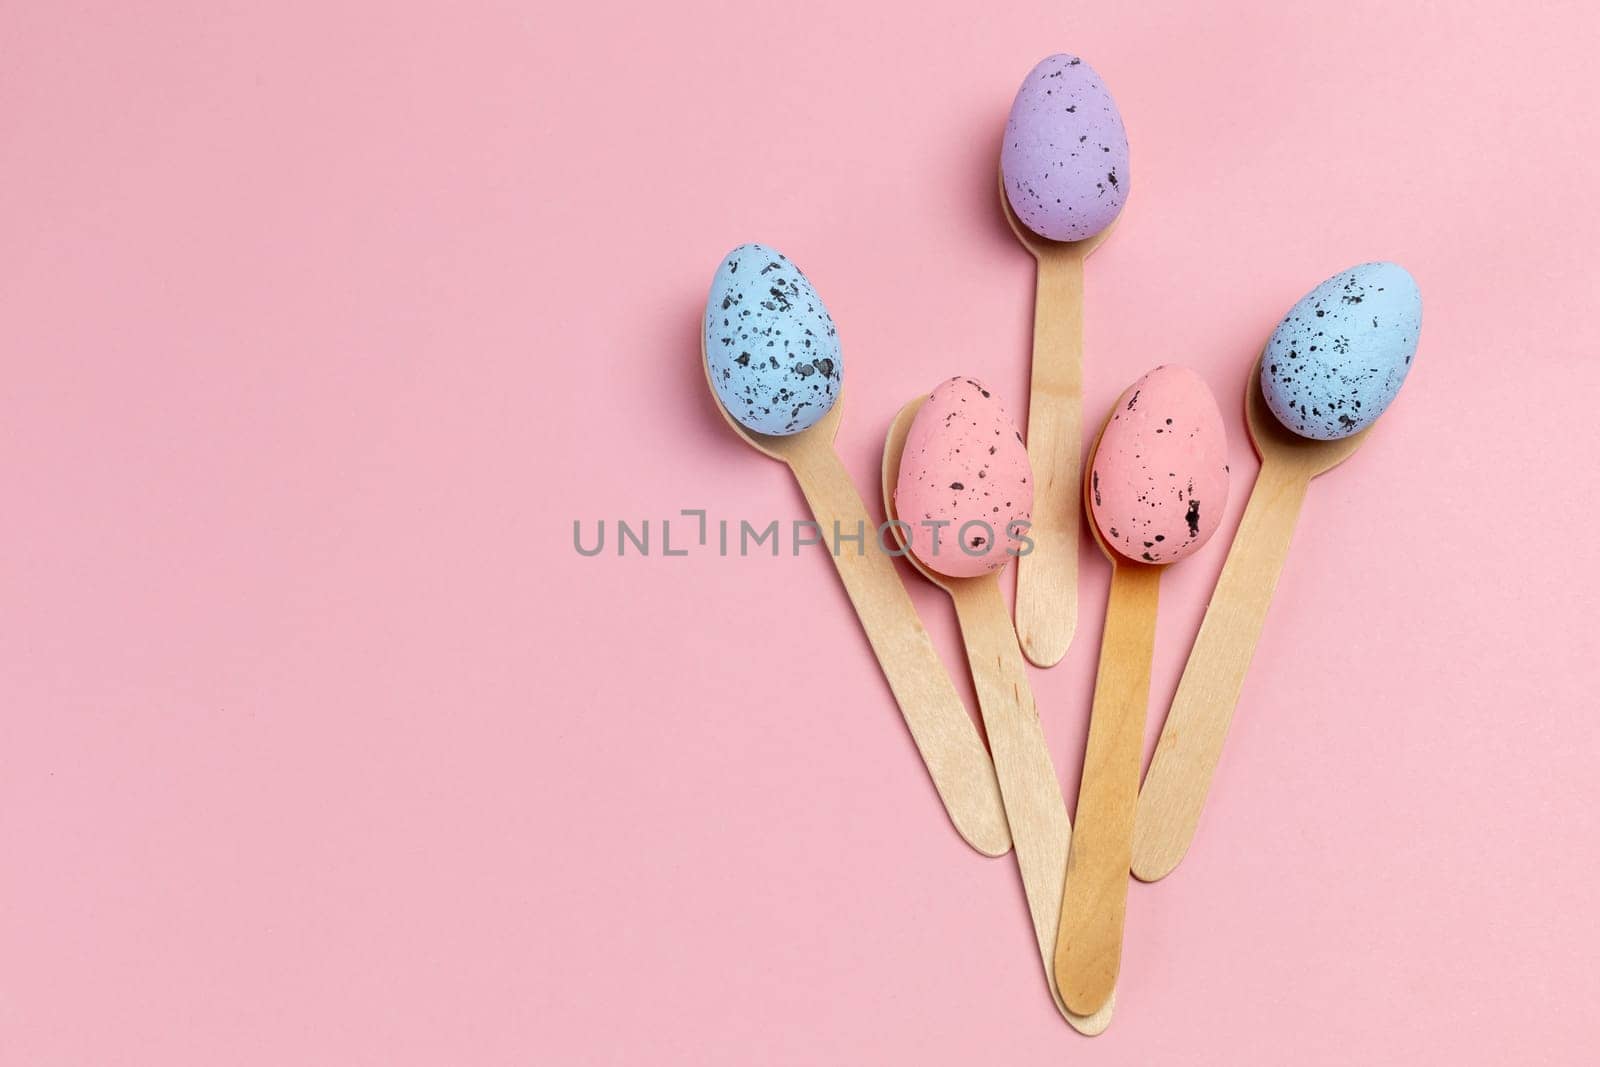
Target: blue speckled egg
[1341, 354]
[770, 344]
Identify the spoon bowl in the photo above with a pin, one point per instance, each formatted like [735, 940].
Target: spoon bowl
[893, 448]
[784, 448]
[1043, 247]
[1086, 490]
[1280, 446]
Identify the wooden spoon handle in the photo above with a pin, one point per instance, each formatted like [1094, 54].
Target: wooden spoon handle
[1191, 739]
[1089, 947]
[944, 734]
[1040, 828]
[1047, 577]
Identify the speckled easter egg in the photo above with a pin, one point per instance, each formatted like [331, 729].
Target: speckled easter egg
[1338, 358]
[770, 345]
[1159, 478]
[1065, 156]
[965, 487]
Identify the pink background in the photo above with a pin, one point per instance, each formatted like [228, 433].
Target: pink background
[322, 322]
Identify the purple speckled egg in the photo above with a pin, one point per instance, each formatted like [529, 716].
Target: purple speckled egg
[1065, 156]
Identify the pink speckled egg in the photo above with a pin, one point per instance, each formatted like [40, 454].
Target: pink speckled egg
[965, 488]
[1159, 478]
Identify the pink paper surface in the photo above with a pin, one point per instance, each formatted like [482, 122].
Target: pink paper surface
[322, 322]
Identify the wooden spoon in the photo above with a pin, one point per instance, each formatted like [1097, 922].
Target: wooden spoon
[1191, 739]
[1047, 577]
[1157, 486]
[1037, 814]
[1088, 949]
[944, 734]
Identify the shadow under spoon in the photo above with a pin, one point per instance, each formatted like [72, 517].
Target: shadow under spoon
[1040, 828]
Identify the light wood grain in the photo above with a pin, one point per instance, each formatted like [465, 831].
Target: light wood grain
[1047, 577]
[1190, 746]
[944, 734]
[1088, 951]
[1034, 806]
[1197, 722]
[1040, 828]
